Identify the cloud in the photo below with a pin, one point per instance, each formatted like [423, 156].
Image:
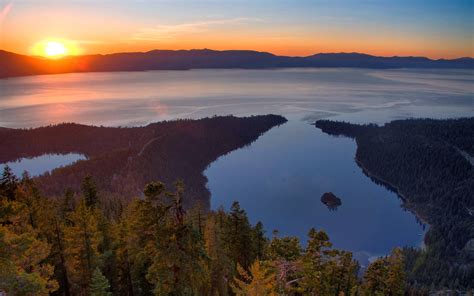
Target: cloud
[4, 11]
[166, 32]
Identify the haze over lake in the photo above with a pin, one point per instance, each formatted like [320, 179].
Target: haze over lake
[281, 177]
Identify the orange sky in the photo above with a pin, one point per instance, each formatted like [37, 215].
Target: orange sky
[142, 26]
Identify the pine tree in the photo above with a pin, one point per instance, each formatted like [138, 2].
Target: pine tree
[82, 239]
[67, 204]
[374, 283]
[314, 280]
[386, 276]
[396, 273]
[58, 244]
[285, 257]
[286, 248]
[177, 265]
[259, 239]
[89, 190]
[23, 252]
[99, 284]
[220, 267]
[260, 281]
[8, 183]
[166, 248]
[142, 233]
[28, 194]
[346, 273]
[22, 269]
[339, 272]
[124, 272]
[107, 250]
[238, 237]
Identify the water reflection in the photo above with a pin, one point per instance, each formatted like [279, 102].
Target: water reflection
[139, 98]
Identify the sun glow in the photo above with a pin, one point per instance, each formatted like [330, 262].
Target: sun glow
[55, 48]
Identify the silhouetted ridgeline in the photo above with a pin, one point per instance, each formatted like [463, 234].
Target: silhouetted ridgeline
[123, 160]
[12, 64]
[428, 163]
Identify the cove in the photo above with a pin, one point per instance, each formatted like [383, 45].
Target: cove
[39, 165]
[281, 177]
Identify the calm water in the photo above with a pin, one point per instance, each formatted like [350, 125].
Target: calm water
[280, 178]
[42, 164]
[137, 98]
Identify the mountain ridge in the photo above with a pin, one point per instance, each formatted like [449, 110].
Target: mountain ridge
[14, 65]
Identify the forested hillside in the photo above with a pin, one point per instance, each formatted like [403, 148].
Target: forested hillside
[429, 164]
[123, 160]
[154, 246]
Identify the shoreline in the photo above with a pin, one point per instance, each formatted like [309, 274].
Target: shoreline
[396, 190]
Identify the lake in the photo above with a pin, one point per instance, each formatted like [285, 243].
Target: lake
[279, 179]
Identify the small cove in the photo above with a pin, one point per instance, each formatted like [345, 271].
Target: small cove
[39, 165]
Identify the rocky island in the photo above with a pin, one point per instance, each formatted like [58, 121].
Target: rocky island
[331, 201]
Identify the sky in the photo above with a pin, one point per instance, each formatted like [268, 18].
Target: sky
[437, 29]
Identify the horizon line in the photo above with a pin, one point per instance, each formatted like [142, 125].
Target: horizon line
[248, 50]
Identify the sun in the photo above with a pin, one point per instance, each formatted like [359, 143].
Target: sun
[55, 49]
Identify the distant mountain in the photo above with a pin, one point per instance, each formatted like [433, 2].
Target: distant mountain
[358, 60]
[12, 64]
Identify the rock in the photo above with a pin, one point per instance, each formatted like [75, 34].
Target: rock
[331, 200]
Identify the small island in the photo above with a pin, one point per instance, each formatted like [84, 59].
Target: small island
[331, 201]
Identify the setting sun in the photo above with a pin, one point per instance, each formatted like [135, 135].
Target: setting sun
[55, 48]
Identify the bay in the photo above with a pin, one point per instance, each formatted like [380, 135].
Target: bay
[279, 179]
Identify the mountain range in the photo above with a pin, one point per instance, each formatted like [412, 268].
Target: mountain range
[13, 65]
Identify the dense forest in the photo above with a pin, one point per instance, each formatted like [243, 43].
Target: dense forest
[122, 160]
[154, 246]
[429, 163]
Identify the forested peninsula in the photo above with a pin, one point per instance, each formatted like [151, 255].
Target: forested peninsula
[122, 160]
[429, 164]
